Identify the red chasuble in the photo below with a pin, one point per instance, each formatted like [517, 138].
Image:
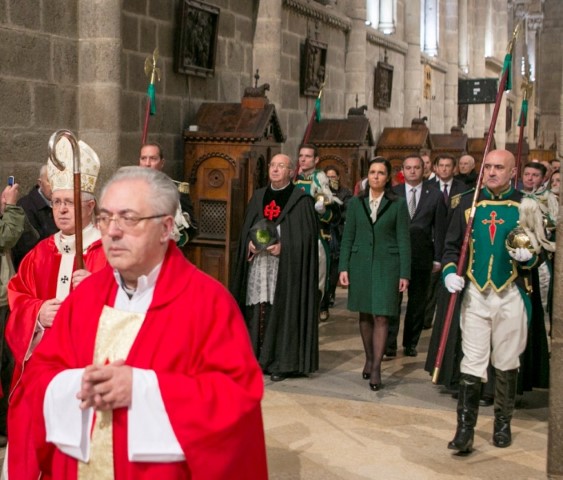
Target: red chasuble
[195, 339]
[35, 283]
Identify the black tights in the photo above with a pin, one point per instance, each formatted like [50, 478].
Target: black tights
[373, 329]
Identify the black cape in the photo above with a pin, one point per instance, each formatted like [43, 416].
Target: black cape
[290, 337]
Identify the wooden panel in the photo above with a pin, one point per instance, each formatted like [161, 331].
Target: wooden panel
[235, 219]
[213, 262]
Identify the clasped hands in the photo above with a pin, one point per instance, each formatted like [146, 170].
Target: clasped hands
[106, 387]
[274, 249]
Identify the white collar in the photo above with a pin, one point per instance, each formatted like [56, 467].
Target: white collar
[139, 300]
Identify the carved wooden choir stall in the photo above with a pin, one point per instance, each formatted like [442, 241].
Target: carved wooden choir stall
[227, 152]
[453, 143]
[476, 148]
[345, 143]
[395, 143]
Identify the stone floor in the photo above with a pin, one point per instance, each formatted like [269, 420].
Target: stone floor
[331, 426]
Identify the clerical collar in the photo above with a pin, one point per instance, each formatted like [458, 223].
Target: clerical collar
[72, 238]
[281, 188]
[144, 282]
[66, 244]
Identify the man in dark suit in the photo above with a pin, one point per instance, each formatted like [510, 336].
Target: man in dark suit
[467, 173]
[37, 207]
[444, 166]
[427, 229]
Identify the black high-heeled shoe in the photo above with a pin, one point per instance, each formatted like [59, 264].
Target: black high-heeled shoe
[365, 376]
[375, 386]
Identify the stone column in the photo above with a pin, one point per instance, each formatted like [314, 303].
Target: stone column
[413, 68]
[386, 17]
[555, 423]
[463, 40]
[356, 56]
[477, 122]
[268, 47]
[99, 79]
[451, 47]
[431, 27]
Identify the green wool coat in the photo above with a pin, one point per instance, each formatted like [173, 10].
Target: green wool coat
[376, 255]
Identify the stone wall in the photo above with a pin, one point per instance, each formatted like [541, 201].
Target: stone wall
[153, 23]
[38, 81]
[551, 68]
[79, 65]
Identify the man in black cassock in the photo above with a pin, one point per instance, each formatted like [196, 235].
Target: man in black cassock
[275, 277]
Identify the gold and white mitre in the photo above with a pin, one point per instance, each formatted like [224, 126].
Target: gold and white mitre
[89, 167]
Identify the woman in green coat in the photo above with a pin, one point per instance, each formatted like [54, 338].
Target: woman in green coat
[375, 261]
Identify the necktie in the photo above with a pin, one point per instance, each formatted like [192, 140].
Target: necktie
[446, 196]
[412, 202]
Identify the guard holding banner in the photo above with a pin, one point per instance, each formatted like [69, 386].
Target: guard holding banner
[495, 308]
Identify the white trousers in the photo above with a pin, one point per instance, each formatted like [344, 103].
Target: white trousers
[493, 326]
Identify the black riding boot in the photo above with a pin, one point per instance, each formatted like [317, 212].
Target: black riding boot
[505, 398]
[467, 411]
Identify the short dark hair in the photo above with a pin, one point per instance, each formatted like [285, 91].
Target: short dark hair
[154, 144]
[414, 155]
[537, 166]
[312, 146]
[444, 156]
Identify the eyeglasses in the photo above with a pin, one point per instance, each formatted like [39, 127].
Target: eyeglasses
[281, 166]
[58, 203]
[125, 222]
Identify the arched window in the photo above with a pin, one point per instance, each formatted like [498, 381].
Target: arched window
[380, 15]
[429, 23]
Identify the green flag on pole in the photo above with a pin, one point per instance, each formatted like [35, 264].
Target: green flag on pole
[152, 97]
[522, 121]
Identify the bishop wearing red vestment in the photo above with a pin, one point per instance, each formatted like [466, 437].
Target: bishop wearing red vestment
[148, 372]
[45, 277]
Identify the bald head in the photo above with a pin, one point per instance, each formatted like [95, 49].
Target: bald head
[499, 167]
[466, 164]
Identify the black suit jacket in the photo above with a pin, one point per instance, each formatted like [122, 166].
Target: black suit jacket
[456, 188]
[39, 215]
[427, 227]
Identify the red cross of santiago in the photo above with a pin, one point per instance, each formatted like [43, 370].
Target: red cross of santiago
[493, 222]
[272, 210]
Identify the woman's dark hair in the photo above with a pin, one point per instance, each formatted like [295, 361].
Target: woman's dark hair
[389, 194]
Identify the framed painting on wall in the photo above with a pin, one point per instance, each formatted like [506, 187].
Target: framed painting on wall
[313, 67]
[383, 85]
[197, 38]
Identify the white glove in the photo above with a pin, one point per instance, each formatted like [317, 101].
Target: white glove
[320, 207]
[520, 254]
[454, 283]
